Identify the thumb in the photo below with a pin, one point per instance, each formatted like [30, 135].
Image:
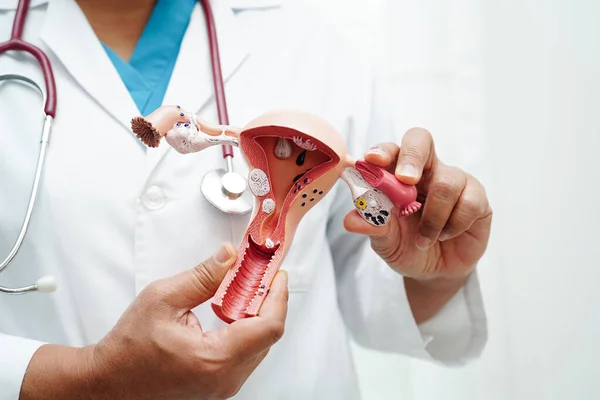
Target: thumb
[384, 239]
[354, 223]
[190, 288]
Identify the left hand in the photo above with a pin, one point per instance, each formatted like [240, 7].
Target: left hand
[448, 236]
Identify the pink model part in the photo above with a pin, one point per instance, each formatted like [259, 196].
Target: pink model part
[182, 130]
[400, 194]
[294, 160]
[372, 204]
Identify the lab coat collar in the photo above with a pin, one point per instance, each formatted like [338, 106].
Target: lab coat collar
[83, 56]
[191, 85]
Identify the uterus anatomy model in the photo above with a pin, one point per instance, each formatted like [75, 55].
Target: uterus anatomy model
[294, 159]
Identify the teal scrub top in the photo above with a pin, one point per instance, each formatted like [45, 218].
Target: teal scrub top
[149, 70]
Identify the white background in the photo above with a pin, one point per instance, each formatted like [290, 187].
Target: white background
[510, 90]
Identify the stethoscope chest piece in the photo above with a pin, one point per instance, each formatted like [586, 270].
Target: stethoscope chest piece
[227, 191]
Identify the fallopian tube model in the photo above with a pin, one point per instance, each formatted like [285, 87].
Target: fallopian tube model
[295, 158]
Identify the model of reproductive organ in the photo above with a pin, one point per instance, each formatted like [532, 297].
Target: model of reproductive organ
[294, 160]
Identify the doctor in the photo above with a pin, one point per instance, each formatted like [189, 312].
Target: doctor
[124, 228]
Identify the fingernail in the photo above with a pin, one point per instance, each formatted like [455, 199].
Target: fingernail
[222, 255]
[443, 236]
[285, 274]
[423, 243]
[408, 170]
[377, 151]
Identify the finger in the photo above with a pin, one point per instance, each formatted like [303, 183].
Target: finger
[195, 286]
[383, 154]
[354, 223]
[417, 155]
[249, 337]
[384, 239]
[445, 189]
[276, 303]
[472, 205]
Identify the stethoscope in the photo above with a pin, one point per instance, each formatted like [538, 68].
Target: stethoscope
[224, 189]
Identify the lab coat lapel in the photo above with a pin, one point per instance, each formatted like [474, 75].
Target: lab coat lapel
[191, 84]
[86, 60]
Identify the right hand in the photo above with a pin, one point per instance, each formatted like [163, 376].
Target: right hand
[157, 350]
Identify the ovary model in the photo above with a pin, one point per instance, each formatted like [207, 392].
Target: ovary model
[295, 159]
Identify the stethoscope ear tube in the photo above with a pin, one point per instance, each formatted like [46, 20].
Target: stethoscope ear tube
[16, 43]
[46, 284]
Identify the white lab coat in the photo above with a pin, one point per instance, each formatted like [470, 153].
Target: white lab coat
[113, 216]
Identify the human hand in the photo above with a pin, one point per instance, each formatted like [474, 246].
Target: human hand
[158, 350]
[446, 238]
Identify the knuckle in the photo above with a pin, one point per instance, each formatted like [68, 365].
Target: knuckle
[276, 331]
[445, 186]
[420, 132]
[471, 206]
[412, 153]
[203, 276]
[429, 226]
[455, 226]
